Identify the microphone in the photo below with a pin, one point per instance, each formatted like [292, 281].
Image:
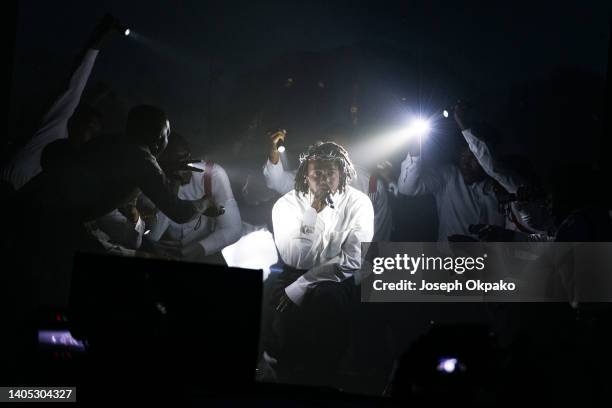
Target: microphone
[183, 165]
[188, 166]
[329, 201]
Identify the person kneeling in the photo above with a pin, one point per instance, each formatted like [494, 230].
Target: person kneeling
[318, 228]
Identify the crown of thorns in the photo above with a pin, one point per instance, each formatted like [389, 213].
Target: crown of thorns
[329, 151]
[320, 156]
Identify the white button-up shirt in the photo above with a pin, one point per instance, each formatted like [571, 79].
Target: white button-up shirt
[25, 163]
[282, 181]
[458, 204]
[326, 244]
[532, 217]
[213, 234]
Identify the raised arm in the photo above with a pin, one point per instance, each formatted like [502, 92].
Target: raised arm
[25, 164]
[482, 151]
[415, 179]
[54, 123]
[277, 177]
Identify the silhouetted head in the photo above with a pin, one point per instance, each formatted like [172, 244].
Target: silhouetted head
[469, 166]
[149, 126]
[177, 151]
[84, 125]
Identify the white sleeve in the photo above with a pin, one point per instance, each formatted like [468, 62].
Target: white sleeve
[122, 231]
[489, 164]
[25, 164]
[229, 225]
[531, 217]
[162, 222]
[349, 260]
[298, 235]
[414, 180]
[380, 203]
[104, 240]
[277, 178]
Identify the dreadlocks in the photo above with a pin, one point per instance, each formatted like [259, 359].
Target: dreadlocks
[324, 151]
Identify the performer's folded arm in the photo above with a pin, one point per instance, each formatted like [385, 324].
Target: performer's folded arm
[299, 238]
[349, 259]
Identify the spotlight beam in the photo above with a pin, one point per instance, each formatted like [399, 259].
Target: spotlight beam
[381, 146]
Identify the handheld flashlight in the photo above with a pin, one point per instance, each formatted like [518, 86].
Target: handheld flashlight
[280, 146]
[450, 365]
[122, 29]
[280, 143]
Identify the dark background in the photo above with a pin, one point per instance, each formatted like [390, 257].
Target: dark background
[536, 70]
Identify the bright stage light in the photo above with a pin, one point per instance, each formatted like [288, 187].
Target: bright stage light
[420, 127]
[445, 113]
[126, 32]
[447, 365]
[377, 148]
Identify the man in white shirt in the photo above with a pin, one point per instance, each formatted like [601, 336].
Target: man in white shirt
[281, 180]
[318, 228]
[464, 194]
[106, 175]
[65, 121]
[526, 217]
[65, 128]
[203, 238]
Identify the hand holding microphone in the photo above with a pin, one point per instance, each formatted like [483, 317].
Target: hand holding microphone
[171, 167]
[329, 201]
[207, 207]
[187, 166]
[322, 198]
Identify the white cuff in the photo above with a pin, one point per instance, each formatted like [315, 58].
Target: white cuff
[297, 290]
[139, 227]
